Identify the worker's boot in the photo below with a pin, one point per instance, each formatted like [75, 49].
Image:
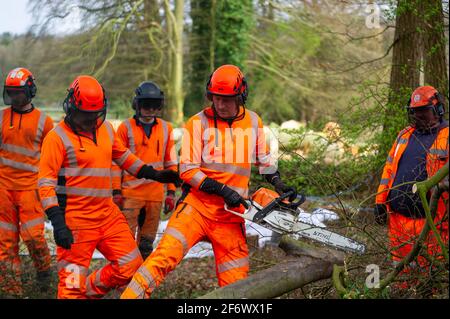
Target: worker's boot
[146, 246]
[43, 280]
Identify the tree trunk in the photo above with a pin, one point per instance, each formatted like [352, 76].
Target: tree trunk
[434, 55]
[175, 23]
[312, 264]
[406, 55]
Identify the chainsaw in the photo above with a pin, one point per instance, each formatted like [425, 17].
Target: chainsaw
[282, 217]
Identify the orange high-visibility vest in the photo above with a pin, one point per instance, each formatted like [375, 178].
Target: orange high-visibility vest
[436, 157]
[75, 173]
[158, 151]
[224, 152]
[21, 137]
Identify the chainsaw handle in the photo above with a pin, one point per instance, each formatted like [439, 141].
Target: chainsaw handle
[300, 199]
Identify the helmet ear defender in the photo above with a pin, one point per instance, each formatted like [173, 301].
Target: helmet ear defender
[32, 86]
[68, 101]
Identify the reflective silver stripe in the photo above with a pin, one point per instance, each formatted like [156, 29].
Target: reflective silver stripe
[40, 130]
[155, 165]
[402, 140]
[143, 271]
[232, 264]
[254, 121]
[133, 169]
[129, 257]
[165, 136]
[384, 181]
[110, 132]
[49, 201]
[47, 182]
[197, 178]
[137, 182]
[8, 226]
[187, 167]
[177, 235]
[21, 150]
[267, 169]
[64, 264]
[1, 127]
[241, 191]
[203, 119]
[389, 159]
[81, 191]
[18, 165]
[116, 173]
[123, 158]
[227, 168]
[131, 142]
[170, 163]
[138, 290]
[70, 150]
[32, 223]
[97, 282]
[78, 171]
[438, 152]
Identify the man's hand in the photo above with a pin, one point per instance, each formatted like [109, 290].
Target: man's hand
[62, 234]
[281, 188]
[380, 212]
[169, 203]
[118, 198]
[162, 176]
[231, 197]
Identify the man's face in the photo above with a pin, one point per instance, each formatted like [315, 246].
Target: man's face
[18, 97]
[424, 117]
[87, 121]
[149, 108]
[226, 106]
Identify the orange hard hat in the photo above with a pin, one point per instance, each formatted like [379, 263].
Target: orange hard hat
[86, 94]
[424, 96]
[19, 80]
[227, 80]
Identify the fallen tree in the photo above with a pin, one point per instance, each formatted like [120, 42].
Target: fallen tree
[306, 264]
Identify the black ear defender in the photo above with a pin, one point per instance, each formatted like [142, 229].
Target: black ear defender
[32, 86]
[68, 101]
[440, 109]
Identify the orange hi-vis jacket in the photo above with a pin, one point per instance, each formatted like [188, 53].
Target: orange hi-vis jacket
[158, 151]
[224, 152]
[436, 157]
[75, 173]
[21, 137]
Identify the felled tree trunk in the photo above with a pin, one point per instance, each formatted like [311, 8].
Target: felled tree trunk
[309, 265]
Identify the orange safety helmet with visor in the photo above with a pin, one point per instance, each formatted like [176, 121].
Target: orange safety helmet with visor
[19, 87]
[85, 104]
[423, 98]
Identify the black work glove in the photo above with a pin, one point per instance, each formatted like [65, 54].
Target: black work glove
[61, 233]
[280, 186]
[231, 197]
[162, 176]
[380, 212]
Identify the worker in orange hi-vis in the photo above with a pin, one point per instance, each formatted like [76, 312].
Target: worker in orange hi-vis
[219, 145]
[149, 138]
[75, 190]
[22, 129]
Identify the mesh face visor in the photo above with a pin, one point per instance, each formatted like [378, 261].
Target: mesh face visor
[419, 113]
[16, 95]
[87, 121]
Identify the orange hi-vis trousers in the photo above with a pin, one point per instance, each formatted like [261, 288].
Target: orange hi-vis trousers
[115, 241]
[187, 227]
[132, 208]
[21, 216]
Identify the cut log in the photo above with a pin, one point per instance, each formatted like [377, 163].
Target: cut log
[312, 264]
